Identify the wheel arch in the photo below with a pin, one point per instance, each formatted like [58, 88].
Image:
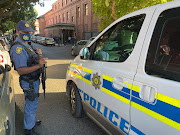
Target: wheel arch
[68, 88]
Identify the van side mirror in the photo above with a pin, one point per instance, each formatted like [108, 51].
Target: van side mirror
[84, 53]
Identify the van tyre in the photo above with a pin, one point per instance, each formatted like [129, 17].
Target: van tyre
[75, 101]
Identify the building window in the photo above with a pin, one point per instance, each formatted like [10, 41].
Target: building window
[58, 5]
[66, 1]
[53, 20]
[55, 7]
[86, 9]
[56, 19]
[62, 3]
[67, 16]
[78, 13]
[59, 18]
[72, 18]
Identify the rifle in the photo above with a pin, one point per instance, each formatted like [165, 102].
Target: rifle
[43, 73]
[43, 79]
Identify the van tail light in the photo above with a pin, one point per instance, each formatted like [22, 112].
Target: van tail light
[1, 58]
[3, 43]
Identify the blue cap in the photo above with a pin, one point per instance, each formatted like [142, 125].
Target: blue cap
[24, 26]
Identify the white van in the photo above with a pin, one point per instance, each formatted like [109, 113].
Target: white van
[128, 79]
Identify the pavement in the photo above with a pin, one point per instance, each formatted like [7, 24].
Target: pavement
[54, 110]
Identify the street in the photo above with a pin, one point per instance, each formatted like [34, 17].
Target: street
[54, 110]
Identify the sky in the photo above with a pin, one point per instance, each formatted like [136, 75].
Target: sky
[46, 8]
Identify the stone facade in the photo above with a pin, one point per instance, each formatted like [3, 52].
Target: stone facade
[72, 18]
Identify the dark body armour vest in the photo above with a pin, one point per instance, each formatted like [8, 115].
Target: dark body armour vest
[33, 60]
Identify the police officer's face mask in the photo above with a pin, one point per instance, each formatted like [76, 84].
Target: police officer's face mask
[25, 37]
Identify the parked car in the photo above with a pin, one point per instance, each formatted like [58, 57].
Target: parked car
[5, 43]
[7, 99]
[5, 61]
[42, 41]
[128, 79]
[78, 46]
[38, 39]
[92, 38]
[49, 41]
[33, 39]
[7, 104]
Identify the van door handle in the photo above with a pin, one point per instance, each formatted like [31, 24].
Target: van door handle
[118, 83]
[148, 93]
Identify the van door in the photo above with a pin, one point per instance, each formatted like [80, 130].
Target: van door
[155, 101]
[111, 70]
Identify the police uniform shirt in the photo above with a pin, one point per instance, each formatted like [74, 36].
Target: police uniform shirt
[20, 58]
[19, 55]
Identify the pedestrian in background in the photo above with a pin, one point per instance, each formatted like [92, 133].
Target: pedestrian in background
[69, 39]
[28, 63]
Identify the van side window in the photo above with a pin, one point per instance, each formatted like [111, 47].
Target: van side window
[118, 42]
[163, 58]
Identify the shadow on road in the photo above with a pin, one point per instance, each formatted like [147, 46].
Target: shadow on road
[57, 71]
[54, 112]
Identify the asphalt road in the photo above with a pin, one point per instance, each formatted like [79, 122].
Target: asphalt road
[54, 110]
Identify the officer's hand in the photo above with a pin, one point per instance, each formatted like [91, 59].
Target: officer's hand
[42, 61]
[39, 51]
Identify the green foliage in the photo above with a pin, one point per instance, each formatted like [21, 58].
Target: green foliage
[107, 13]
[12, 11]
[27, 13]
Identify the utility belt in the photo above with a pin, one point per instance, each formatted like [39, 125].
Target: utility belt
[30, 94]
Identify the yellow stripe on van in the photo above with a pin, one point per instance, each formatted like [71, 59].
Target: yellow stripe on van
[87, 70]
[156, 115]
[168, 100]
[74, 65]
[82, 68]
[80, 77]
[74, 74]
[87, 81]
[125, 100]
[134, 88]
[107, 77]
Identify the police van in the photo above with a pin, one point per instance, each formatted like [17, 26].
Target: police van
[128, 79]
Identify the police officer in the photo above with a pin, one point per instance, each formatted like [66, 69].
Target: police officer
[28, 63]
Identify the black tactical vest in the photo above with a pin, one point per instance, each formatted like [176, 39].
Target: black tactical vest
[33, 60]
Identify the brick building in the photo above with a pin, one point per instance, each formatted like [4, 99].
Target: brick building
[42, 25]
[72, 18]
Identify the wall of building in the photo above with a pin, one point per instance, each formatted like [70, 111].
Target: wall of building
[66, 11]
[42, 25]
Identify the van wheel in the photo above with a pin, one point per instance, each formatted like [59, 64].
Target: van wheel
[75, 101]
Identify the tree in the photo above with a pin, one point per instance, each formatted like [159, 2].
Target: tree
[11, 11]
[27, 13]
[7, 7]
[110, 10]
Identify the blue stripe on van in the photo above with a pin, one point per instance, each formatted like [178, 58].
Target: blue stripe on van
[160, 107]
